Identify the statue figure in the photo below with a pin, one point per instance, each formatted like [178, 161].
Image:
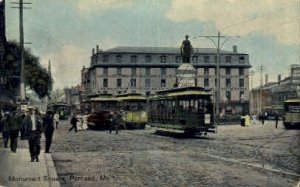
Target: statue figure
[186, 50]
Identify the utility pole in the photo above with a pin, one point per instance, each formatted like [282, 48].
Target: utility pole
[251, 74]
[22, 79]
[261, 68]
[216, 40]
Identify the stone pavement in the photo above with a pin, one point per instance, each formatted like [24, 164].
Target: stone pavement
[17, 170]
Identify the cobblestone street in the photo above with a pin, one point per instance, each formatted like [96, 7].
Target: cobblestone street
[235, 156]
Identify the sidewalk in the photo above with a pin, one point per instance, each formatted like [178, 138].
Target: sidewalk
[17, 170]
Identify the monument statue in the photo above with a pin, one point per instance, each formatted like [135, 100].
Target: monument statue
[186, 50]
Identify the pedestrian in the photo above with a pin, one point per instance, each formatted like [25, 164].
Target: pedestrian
[113, 122]
[5, 129]
[33, 128]
[56, 119]
[22, 127]
[263, 119]
[73, 122]
[48, 125]
[14, 125]
[276, 120]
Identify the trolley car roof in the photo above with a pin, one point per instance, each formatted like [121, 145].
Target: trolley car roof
[184, 91]
[130, 96]
[295, 100]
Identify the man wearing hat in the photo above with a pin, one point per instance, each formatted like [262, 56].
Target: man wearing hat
[48, 129]
[14, 125]
[33, 128]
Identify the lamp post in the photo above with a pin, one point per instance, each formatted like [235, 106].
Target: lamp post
[218, 87]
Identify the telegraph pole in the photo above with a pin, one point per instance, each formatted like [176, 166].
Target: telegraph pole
[261, 68]
[22, 79]
[219, 46]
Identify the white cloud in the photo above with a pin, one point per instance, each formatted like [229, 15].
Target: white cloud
[279, 18]
[85, 6]
[66, 65]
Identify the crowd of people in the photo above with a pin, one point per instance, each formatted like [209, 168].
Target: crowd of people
[30, 124]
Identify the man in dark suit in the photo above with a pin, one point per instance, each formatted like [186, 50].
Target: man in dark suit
[48, 129]
[33, 127]
[14, 125]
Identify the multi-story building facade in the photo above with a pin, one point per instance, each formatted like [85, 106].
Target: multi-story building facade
[275, 93]
[149, 69]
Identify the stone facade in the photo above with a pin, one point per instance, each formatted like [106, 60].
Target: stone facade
[149, 69]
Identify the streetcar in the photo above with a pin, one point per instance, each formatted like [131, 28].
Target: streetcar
[273, 110]
[187, 110]
[291, 117]
[102, 107]
[134, 110]
[63, 109]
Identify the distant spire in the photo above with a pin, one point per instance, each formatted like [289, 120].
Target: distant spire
[49, 66]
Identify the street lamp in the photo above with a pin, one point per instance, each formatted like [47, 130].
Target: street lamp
[218, 87]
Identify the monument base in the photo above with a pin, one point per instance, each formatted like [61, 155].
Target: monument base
[186, 75]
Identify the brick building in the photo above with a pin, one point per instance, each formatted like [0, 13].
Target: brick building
[149, 69]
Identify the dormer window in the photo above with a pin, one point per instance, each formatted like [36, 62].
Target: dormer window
[133, 59]
[105, 58]
[119, 58]
[242, 59]
[148, 58]
[206, 59]
[163, 59]
[178, 59]
[195, 59]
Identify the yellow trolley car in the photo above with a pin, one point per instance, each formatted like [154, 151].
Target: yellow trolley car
[291, 117]
[134, 110]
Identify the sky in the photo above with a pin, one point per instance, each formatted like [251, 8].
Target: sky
[65, 31]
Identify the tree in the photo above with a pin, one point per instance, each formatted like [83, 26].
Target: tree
[37, 77]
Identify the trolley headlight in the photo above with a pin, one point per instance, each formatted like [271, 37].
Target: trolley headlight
[206, 118]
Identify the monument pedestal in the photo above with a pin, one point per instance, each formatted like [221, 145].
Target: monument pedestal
[186, 75]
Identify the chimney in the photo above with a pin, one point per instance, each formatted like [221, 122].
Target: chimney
[93, 52]
[234, 49]
[97, 49]
[266, 79]
[279, 78]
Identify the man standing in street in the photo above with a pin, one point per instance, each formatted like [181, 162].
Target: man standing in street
[33, 127]
[14, 125]
[56, 119]
[5, 129]
[276, 120]
[73, 122]
[48, 130]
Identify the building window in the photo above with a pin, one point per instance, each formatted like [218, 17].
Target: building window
[148, 72]
[163, 71]
[133, 59]
[133, 71]
[242, 59]
[119, 83]
[228, 71]
[147, 83]
[228, 59]
[195, 59]
[105, 71]
[206, 71]
[105, 58]
[119, 71]
[163, 59]
[105, 83]
[178, 59]
[119, 58]
[133, 83]
[242, 96]
[241, 83]
[241, 71]
[228, 95]
[206, 59]
[148, 58]
[228, 83]
[206, 82]
[163, 83]
[216, 59]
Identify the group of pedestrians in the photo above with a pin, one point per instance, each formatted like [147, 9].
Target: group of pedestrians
[31, 125]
